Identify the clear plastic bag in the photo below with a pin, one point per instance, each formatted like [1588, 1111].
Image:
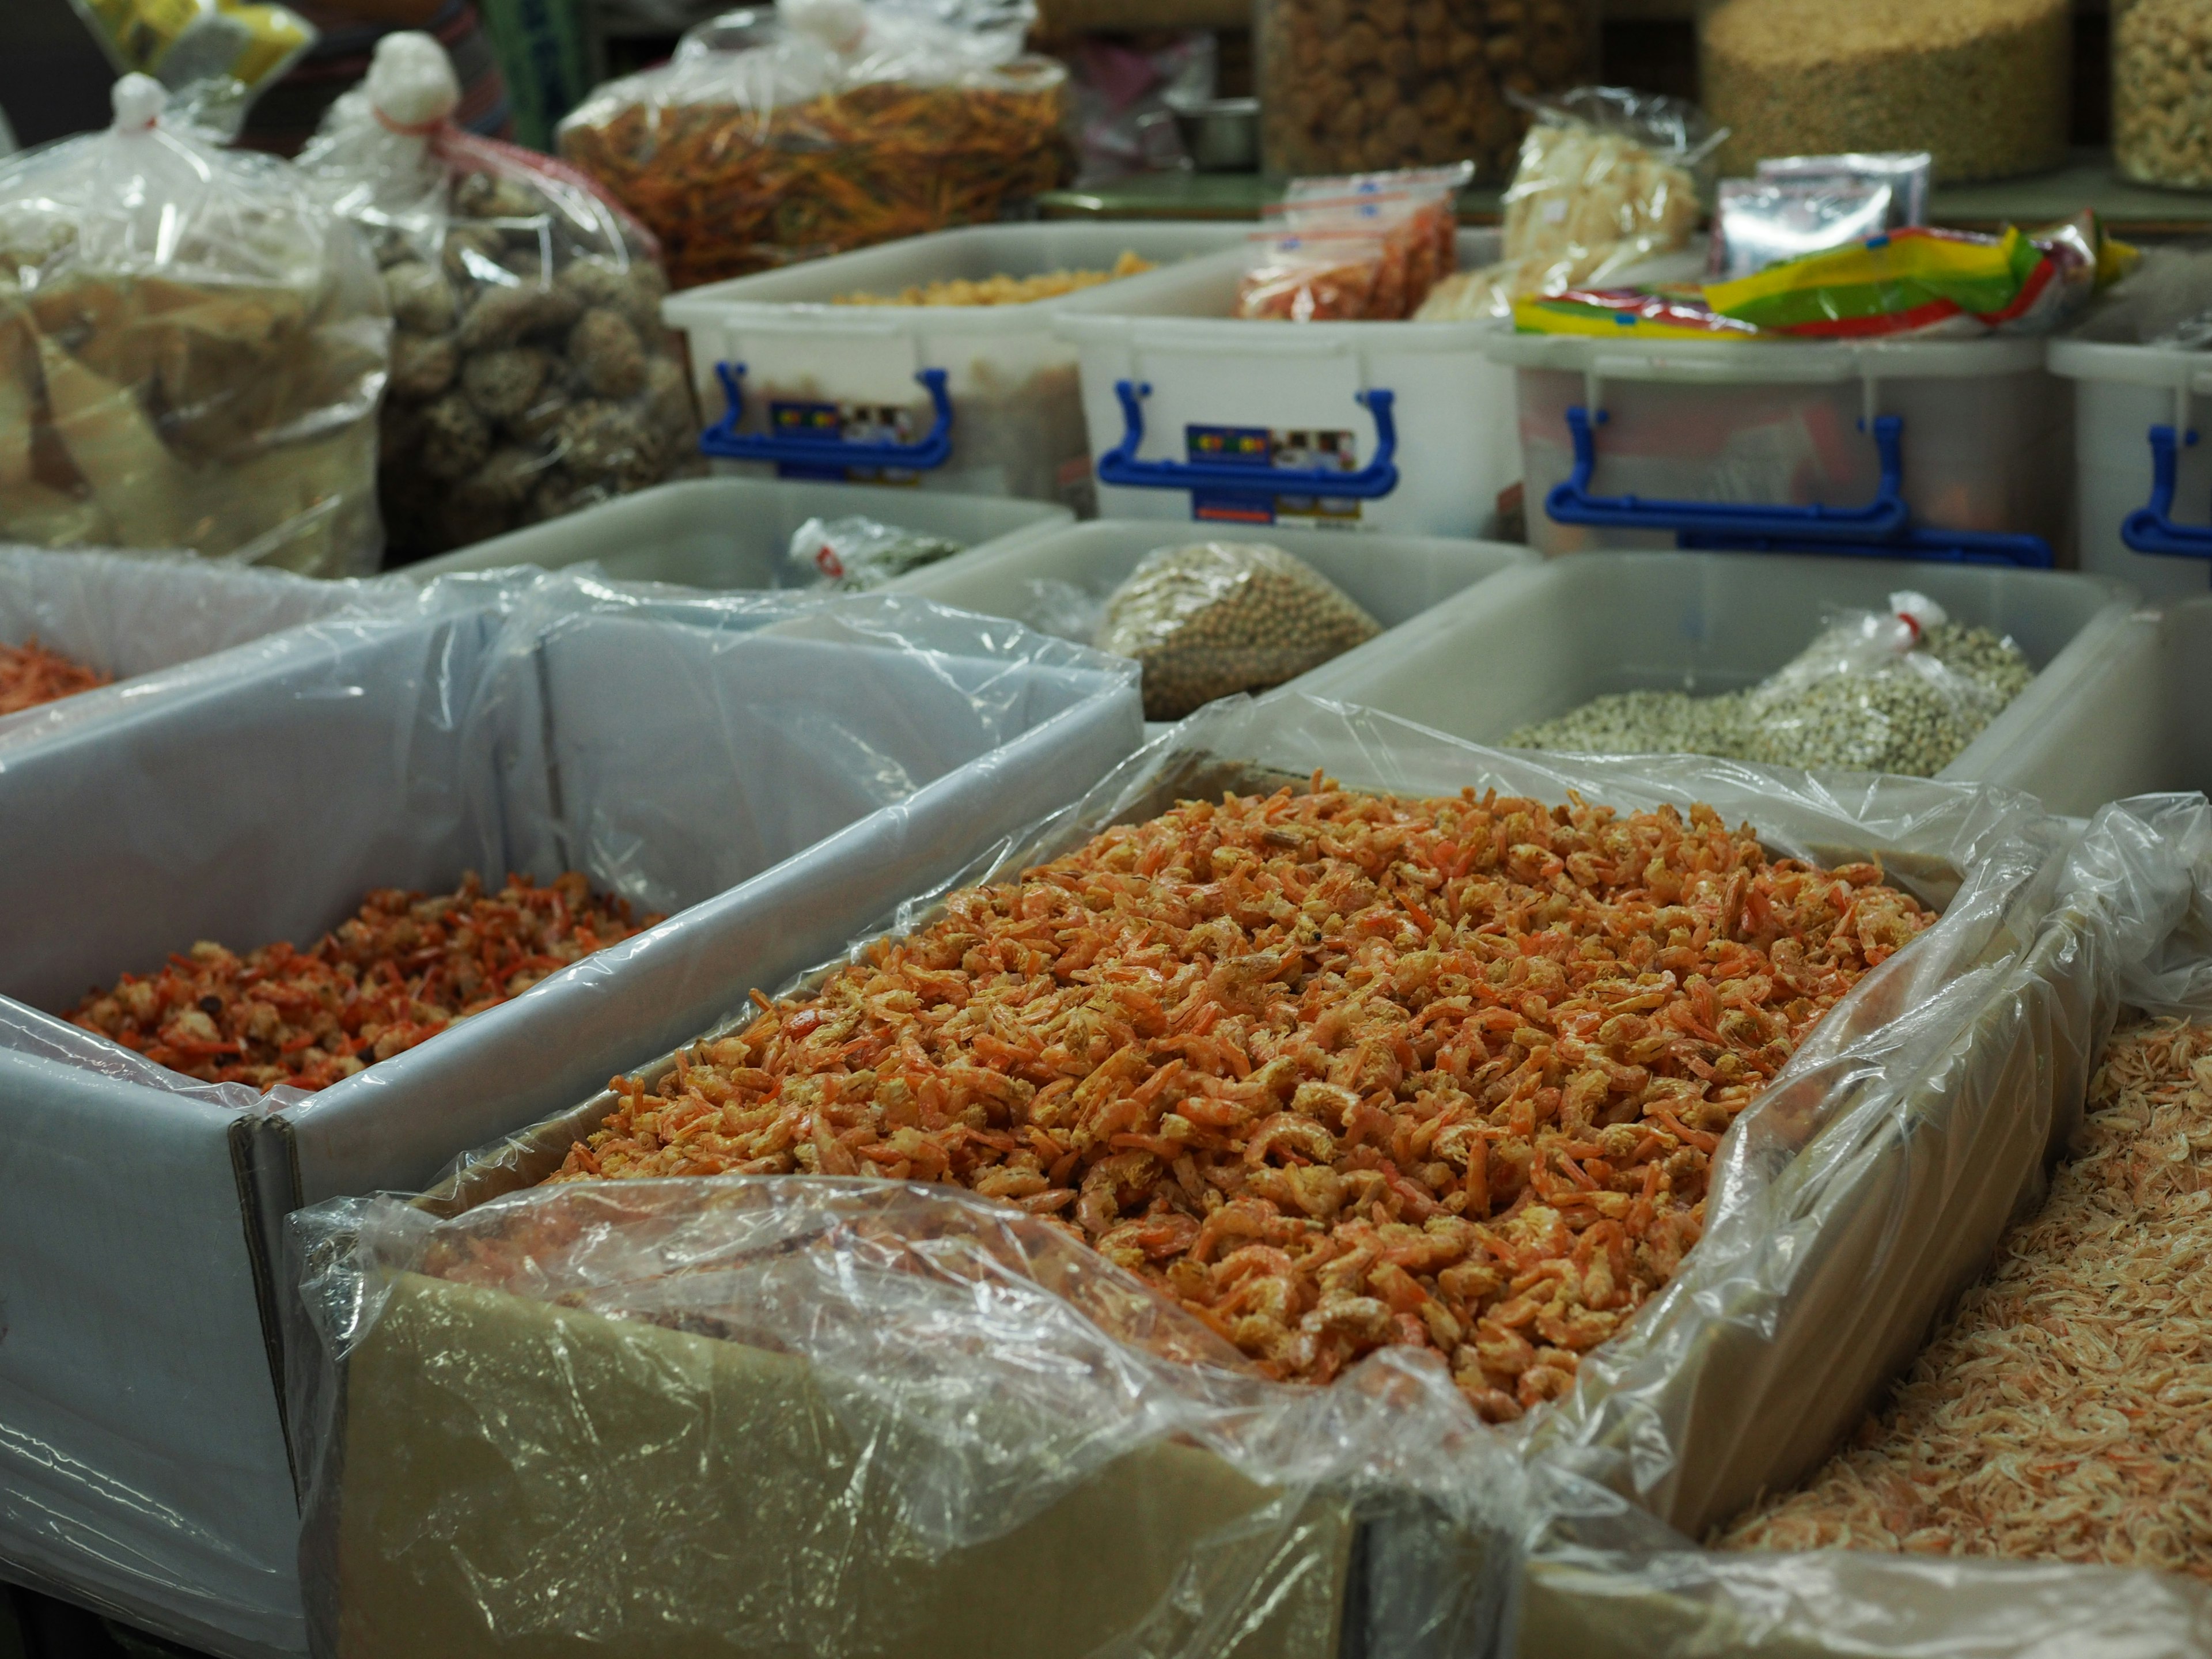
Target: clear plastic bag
[853, 554]
[1333, 274]
[826, 125]
[190, 352]
[531, 374]
[1213, 618]
[217, 54]
[941, 1393]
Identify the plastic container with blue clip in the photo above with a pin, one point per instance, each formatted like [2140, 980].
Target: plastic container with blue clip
[980, 399]
[1196, 414]
[1954, 450]
[2141, 415]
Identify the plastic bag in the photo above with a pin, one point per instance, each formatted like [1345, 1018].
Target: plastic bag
[531, 374]
[853, 554]
[1415, 210]
[1757, 223]
[1218, 617]
[933, 1382]
[1906, 172]
[190, 352]
[1331, 276]
[219, 54]
[827, 126]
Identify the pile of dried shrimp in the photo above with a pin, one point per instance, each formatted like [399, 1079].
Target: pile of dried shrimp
[2065, 1413]
[1334, 1070]
[395, 974]
[30, 675]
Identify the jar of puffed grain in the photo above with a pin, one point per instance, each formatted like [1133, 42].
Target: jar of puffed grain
[2163, 91]
[1984, 85]
[1349, 86]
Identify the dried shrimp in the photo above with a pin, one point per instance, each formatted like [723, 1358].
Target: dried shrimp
[396, 973]
[2062, 1414]
[31, 675]
[1332, 1070]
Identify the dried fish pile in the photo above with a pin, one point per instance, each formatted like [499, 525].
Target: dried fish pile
[2066, 1412]
[1334, 1070]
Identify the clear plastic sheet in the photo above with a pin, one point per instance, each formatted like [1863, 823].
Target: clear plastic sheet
[190, 352]
[1605, 1577]
[602, 1355]
[531, 371]
[772, 770]
[150, 622]
[826, 125]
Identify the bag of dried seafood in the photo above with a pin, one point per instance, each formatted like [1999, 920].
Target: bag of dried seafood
[531, 375]
[190, 351]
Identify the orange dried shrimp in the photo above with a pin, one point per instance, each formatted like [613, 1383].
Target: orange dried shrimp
[31, 675]
[394, 975]
[1332, 1070]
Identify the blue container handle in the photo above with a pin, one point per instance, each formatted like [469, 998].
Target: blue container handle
[1120, 465]
[1882, 528]
[2150, 528]
[820, 455]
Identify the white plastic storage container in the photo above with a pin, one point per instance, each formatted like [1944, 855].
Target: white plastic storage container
[980, 398]
[2184, 756]
[2135, 445]
[731, 532]
[1533, 644]
[1196, 413]
[1916, 448]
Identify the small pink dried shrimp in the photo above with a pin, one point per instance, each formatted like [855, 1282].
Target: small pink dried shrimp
[1332, 1070]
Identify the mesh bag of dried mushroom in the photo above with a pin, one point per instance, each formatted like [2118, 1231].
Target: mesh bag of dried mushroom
[530, 375]
[1242, 1132]
[190, 349]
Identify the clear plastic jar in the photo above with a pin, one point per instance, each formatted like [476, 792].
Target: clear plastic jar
[1984, 85]
[2163, 91]
[1348, 86]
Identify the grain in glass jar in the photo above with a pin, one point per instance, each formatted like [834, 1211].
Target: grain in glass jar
[2163, 91]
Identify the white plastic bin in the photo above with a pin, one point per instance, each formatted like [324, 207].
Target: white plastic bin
[2142, 483]
[1393, 578]
[2184, 759]
[1532, 644]
[1692, 443]
[1172, 380]
[730, 532]
[980, 398]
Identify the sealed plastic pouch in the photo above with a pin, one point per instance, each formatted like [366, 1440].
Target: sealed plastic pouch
[1322, 276]
[190, 352]
[530, 375]
[856, 553]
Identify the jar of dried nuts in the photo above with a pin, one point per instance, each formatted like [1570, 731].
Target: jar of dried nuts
[1348, 86]
[2163, 91]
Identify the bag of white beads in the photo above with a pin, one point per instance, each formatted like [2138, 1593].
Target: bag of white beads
[531, 374]
[1215, 618]
[1903, 693]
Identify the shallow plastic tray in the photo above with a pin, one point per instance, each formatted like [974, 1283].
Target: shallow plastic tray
[730, 532]
[1534, 644]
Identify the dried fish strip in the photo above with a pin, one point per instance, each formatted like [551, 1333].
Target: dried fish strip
[1332, 1070]
[396, 973]
[2062, 1414]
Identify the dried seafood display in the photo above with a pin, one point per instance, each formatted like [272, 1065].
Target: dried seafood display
[396, 973]
[1334, 1070]
[31, 675]
[2062, 1415]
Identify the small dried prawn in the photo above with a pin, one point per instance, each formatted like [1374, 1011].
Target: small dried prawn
[30, 675]
[1332, 1070]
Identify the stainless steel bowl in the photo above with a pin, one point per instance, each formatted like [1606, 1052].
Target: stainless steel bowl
[1221, 135]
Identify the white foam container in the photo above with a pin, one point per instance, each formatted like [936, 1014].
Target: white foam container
[1207, 368]
[731, 532]
[1984, 440]
[1016, 420]
[2120, 393]
[1534, 643]
[1393, 578]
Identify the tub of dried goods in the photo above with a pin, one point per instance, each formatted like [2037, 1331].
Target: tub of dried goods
[2143, 482]
[1365, 1117]
[1936, 448]
[264, 1008]
[2162, 92]
[1206, 623]
[1629, 652]
[932, 361]
[1984, 85]
[738, 533]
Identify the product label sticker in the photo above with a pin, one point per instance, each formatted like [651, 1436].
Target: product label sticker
[1265, 449]
[852, 423]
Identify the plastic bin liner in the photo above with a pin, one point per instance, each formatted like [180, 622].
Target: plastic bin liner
[674, 746]
[954, 1386]
[1607, 1577]
[152, 620]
